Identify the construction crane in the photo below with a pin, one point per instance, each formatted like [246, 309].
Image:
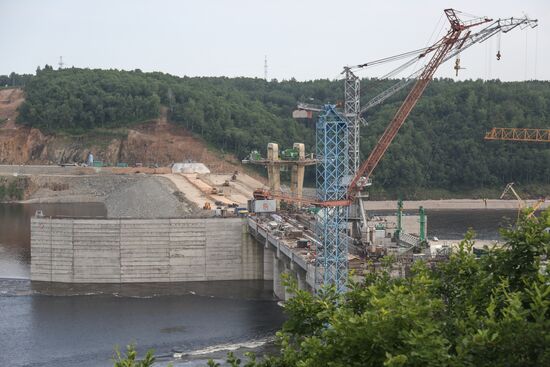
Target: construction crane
[521, 203]
[441, 50]
[337, 141]
[451, 45]
[518, 134]
[496, 27]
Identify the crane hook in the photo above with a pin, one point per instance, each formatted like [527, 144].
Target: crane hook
[498, 45]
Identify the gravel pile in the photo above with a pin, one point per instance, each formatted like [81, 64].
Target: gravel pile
[125, 196]
[147, 197]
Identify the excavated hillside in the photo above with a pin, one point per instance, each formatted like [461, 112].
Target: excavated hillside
[155, 142]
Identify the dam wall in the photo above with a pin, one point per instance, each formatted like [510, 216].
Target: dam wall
[144, 250]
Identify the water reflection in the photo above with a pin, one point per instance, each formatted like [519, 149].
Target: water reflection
[67, 329]
[15, 235]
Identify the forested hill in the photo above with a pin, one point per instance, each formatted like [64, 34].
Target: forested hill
[441, 145]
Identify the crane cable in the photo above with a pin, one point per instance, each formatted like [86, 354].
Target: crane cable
[439, 27]
[526, 39]
[536, 51]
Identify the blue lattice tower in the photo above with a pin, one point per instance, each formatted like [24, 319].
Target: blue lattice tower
[332, 173]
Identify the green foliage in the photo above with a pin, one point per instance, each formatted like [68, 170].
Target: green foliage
[12, 189]
[440, 149]
[130, 359]
[14, 80]
[468, 311]
[77, 100]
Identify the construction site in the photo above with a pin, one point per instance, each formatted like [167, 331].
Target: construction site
[253, 184]
[317, 235]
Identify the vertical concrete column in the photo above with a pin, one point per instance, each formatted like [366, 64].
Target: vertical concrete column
[292, 274]
[297, 172]
[301, 278]
[268, 263]
[278, 270]
[273, 169]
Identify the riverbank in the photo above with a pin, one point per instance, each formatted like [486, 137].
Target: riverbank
[450, 204]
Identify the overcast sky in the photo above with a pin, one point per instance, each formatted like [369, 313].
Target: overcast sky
[302, 39]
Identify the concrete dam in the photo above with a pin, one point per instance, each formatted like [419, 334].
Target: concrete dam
[144, 250]
[162, 250]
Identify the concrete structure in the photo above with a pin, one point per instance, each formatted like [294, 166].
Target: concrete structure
[164, 250]
[139, 250]
[273, 169]
[297, 173]
[285, 260]
[273, 162]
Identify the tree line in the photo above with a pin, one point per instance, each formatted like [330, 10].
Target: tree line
[440, 146]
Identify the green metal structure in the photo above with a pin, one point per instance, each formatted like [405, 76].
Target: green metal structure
[399, 218]
[255, 155]
[290, 154]
[422, 223]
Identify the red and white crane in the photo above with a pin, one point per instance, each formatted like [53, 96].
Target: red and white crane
[458, 38]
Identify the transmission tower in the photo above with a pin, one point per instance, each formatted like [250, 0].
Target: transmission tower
[265, 68]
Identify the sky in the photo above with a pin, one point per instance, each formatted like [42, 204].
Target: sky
[302, 39]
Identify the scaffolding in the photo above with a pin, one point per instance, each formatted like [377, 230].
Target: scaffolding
[332, 174]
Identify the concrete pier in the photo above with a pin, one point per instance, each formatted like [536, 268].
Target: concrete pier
[285, 260]
[297, 173]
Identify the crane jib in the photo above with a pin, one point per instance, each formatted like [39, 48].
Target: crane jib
[442, 48]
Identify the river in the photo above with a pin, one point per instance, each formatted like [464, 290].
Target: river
[62, 325]
[78, 325]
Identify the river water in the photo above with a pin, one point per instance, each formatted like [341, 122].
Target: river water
[62, 325]
[78, 325]
[450, 224]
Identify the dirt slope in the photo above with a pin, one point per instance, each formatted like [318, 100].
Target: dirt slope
[10, 99]
[155, 142]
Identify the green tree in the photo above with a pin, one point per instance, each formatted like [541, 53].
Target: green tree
[130, 359]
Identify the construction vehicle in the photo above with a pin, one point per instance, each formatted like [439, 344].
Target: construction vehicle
[291, 154]
[261, 194]
[521, 203]
[216, 191]
[234, 176]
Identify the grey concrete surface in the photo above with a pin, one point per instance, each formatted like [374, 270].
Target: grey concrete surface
[143, 250]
